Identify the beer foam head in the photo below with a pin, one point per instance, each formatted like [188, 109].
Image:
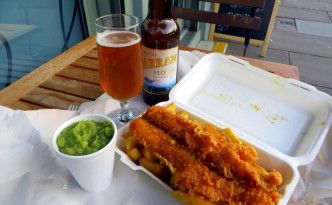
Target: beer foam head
[117, 38]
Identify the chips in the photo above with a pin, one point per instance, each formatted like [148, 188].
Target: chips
[144, 158]
[189, 200]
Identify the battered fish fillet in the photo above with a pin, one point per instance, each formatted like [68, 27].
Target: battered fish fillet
[229, 159]
[191, 176]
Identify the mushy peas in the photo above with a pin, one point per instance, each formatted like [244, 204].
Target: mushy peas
[85, 137]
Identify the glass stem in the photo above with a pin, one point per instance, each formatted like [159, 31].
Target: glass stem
[125, 114]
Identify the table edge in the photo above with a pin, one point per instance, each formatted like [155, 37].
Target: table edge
[44, 72]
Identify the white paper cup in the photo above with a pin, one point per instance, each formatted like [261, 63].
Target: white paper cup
[94, 171]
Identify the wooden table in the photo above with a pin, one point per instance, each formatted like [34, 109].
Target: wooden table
[73, 78]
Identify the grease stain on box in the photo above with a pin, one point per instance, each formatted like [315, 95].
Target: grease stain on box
[275, 118]
[255, 107]
[225, 98]
[278, 80]
[229, 99]
[322, 123]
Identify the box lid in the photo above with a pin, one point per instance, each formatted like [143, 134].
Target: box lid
[283, 115]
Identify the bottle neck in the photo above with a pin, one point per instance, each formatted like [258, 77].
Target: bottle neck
[160, 9]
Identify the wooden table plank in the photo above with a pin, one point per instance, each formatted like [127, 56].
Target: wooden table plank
[78, 73]
[73, 87]
[86, 62]
[22, 105]
[26, 84]
[288, 71]
[92, 54]
[52, 99]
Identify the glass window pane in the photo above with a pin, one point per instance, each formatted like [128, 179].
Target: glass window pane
[33, 32]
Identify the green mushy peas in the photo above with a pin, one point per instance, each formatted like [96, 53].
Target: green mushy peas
[85, 137]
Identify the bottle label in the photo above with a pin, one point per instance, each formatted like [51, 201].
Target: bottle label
[160, 67]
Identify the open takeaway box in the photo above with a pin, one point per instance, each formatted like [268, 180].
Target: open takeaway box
[284, 119]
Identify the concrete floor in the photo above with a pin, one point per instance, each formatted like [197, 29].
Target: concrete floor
[302, 36]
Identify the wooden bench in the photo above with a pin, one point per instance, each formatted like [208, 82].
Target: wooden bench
[247, 23]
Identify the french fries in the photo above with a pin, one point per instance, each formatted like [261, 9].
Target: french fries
[148, 155]
[230, 135]
[184, 115]
[144, 158]
[189, 200]
[154, 167]
[161, 168]
[130, 142]
[171, 108]
[134, 154]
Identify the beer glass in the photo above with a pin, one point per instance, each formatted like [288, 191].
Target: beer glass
[120, 59]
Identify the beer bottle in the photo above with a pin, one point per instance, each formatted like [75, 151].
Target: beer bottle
[160, 39]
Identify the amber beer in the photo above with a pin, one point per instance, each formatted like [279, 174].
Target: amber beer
[160, 39]
[120, 65]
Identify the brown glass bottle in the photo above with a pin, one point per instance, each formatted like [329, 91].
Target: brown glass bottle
[160, 40]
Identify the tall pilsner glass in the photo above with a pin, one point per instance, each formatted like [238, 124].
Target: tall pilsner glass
[120, 60]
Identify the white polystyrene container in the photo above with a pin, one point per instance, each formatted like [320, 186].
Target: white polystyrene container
[284, 119]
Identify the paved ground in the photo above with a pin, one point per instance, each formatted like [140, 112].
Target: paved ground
[302, 36]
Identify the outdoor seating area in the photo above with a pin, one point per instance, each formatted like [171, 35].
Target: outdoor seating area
[289, 44]
[166, 102]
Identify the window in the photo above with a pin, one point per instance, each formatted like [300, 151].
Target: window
[34, 31]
